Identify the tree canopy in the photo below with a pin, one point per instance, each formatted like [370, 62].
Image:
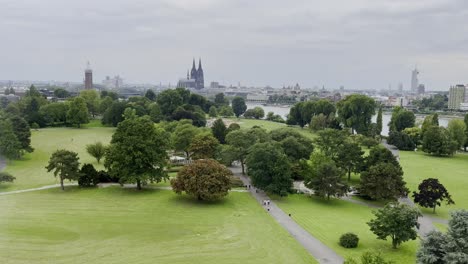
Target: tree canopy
[204, 179]
[397, 221]
[238, 106]
[137, 153]
[383, 181]
[65, 164]
[356, 111]
[431, 194]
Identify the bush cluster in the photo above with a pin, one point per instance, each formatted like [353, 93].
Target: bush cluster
[349, 240]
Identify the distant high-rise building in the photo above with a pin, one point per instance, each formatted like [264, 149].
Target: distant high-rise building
[456, 96]
[195, 79]
[400, 87]
[113, 83]
[421, 89]
[88, 81]
[414, 80]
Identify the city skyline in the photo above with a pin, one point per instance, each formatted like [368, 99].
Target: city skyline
[359, 44]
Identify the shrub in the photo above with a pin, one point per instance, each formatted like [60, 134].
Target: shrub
[6, 177]
[88, 176]
[349, 240]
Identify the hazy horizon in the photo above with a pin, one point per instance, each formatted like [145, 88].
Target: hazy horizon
[361, 44]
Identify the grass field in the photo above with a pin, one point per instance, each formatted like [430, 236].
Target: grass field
[30, 172]
[115, 225]
[328, 220]
[452, 172]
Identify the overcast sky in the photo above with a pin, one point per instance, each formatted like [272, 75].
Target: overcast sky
[356, 43]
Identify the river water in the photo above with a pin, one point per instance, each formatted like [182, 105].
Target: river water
[284, 111]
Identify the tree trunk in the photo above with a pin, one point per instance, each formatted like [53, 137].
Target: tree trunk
[433, 209]
[349, 174]
[394, 243]
[199, 197]
[138, 185]
[61, 184]
[187, 155]
[242, 164]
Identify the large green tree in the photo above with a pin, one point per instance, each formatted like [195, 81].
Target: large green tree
[437, 141]
[456, 128]
[137, 153]
[325, 179]
[431, 194]
[65, 164]
[330, 141]
[238, 106]
[240, 141]
[203, 146]
[168, 101]
[10, 146]
[22, 131]
[397, 221]
[150, 95]
[383, 181]
[379, 122]
[401, 119]
[356, 111]
[78, 112]
[91, 98]
[183, 136]
[204, 179]
[350, 157]
[219, 130]
[269, 168]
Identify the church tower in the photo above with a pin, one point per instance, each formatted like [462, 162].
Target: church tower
[193, 72]
[200, 82]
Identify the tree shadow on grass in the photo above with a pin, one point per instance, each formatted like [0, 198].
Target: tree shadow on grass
[184, 199]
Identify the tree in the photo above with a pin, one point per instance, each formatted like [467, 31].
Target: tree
[397, 221]
[379, 121]
[269, 168]
[10, 146]
[431, 194]
[150, 95]
[220, 100]
[54, 113]
[97, 150]
[370, 257]
[437, 141]
[91, 98]
[22, 131]
[204, 179]
[380, 154]
[356, 111]
[225, 111]
[428, 122]
[219, 130]
[415, 134]
[232, 127]
[295, 115]
[137, 153]
[431, 251]
[65, 164]
[350, 157]
[401, 140]
[456, 129]
[401, 119]
[296, 148]
[326, 180]
[61, 93]
[240, 142]
[168, 101]
[213, 112]
[6, 177]
[238, 106]
[78, 112]
[203, 146]
[330, 141]
[155, 113]
[114, 114]
[383, 181]
[88, 176]
[452, 247]
[183, 136]
[259, 113]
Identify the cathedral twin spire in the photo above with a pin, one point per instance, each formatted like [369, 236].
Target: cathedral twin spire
[197, 75]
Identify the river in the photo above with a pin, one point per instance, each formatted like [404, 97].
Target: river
[284, 111]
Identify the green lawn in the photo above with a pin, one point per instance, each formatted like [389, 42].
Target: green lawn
[452, 172]
[30, 172]
[115, 225]
[327, 221]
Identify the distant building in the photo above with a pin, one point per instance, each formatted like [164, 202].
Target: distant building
[88, 81]
[214, 85]
[421, 89]
[195, 79]
[400, 87]
[414, 80]
[456, 96]
[113, 83]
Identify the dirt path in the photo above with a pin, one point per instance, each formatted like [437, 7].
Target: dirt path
[316, 248]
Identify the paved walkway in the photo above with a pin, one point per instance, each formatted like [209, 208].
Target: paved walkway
[316, 248]
[38, 189]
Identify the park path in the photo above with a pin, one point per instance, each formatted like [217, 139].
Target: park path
[38, 188]
[317, 249]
